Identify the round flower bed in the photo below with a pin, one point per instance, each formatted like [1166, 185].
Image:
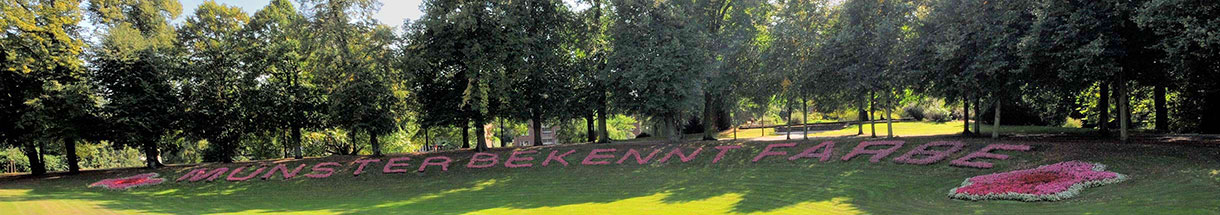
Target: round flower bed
[129, 182]
[1046, 183]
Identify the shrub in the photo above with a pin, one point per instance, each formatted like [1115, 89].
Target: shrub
[931, 109]
[1072, 123]
[643, 135]
[937, 114]
[914, 111]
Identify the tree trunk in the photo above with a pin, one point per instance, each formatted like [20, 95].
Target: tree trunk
[966, 115]
[1103, 109]
[427, 140]
[1123, 109]
[995, 130]
[42, 152]
[297, 150]
[230, 150]
[978, 115]
[351, 150]
[1210, 123]
[709, 117]
[788, 130]
[150, 154]
[37, 166]
[872, 105]
[591, 133]
[603, 135]
[374, 143]
[465, 135]
[285, 144]
[674, 131]
[537, 127]
[805, 118]
[889, 119]
[70, 151]
[503, 139]
[862, 115]
[481, 133]
[1162, 112]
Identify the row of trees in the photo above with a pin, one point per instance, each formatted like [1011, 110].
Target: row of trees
[989, 54]
[222, 75]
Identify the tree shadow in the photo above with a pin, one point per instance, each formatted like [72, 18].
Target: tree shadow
[764, 186]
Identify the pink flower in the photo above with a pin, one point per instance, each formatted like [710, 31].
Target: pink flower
[986, 153]
[932, 156]
[129, 182]
[878, 154]
[1046, 183]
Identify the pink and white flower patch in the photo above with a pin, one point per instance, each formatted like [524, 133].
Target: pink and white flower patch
[1046, 183]
[129, 182]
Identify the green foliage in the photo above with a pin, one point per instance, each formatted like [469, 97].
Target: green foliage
[323, 77]
[102, 155]
[655, 55]
[41, 76]
[355, 65]
[12, 160]
[931, 109]
[697, 187]
[134, 65]
[1187, 35]
[215, 87]
[619, 127]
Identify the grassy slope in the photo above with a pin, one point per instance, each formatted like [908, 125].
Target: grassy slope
[908, 129]
[948, 128]
[1166, 179]
[747, 133]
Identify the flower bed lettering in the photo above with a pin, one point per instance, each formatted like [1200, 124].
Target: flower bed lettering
[924, 154]
[129, 182]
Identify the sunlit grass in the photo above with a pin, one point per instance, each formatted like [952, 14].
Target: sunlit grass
[1165, 180]
[746, 133]
[915, 129]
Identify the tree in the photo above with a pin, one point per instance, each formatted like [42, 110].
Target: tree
[41, 54]
[66, 113]
[1093, 41]
[726, 31]
[352, 56]
[133, 65]
[279, 49]
[476, 54]
[946, 51]
[216, 89]
[656, 52]
[589, 79]
[1187, 32]
[535, 60]
[870, 49]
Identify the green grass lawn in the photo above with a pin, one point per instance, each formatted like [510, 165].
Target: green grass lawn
[912, 129]
[1165, 179]
[747, 133]
[903, 129]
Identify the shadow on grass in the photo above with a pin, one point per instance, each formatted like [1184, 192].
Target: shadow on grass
[766, 186]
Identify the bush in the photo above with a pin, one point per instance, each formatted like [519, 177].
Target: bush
[937, 114]
[931, 109]
[914, 111]
[643, 135]
[1072, 123]
[13, 161]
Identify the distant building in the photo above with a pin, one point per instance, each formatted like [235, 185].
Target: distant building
[548, 136]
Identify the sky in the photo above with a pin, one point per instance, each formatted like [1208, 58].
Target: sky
[392, 12]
